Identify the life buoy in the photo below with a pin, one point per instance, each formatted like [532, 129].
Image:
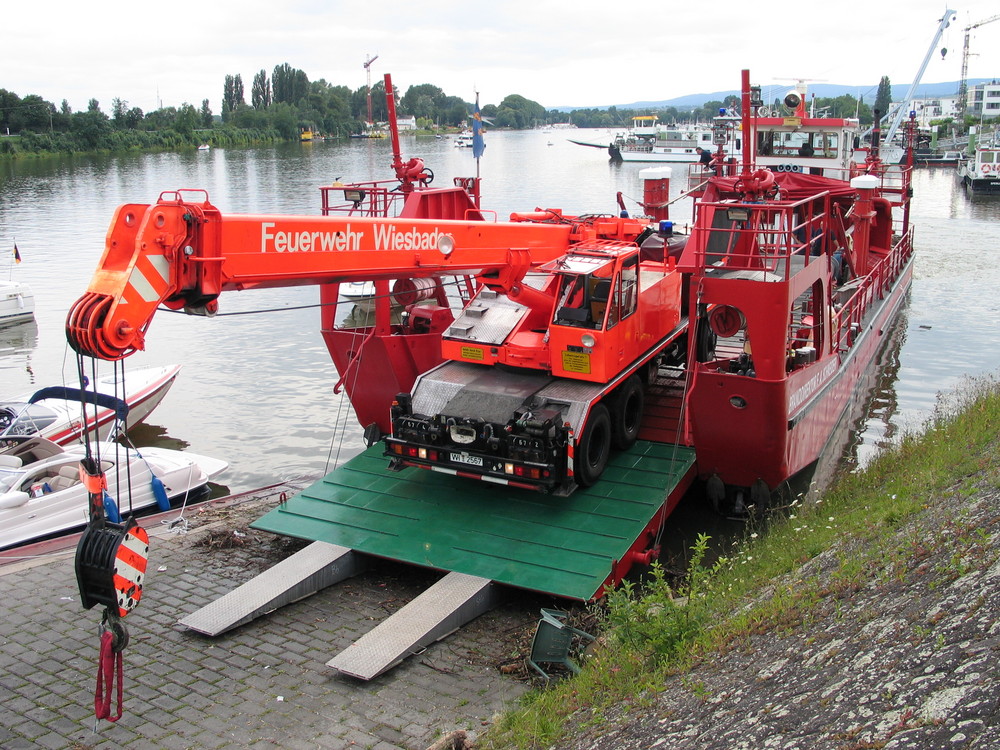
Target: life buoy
[986, 168]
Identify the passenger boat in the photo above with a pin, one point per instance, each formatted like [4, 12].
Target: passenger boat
[796, 280]
[980, 170]
[41, 493]
[647, 141]
[56, 413]
[17, 302]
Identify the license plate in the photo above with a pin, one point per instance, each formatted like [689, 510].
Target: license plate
[465, 458]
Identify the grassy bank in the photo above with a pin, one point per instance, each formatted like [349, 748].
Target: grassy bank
[775, 578]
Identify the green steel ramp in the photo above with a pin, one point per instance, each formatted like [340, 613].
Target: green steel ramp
[566, 546]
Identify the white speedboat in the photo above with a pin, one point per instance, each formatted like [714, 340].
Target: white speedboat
[17, 302]
[41, 494]
[55, 413]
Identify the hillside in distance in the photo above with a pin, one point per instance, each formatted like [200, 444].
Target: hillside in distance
[772, 91]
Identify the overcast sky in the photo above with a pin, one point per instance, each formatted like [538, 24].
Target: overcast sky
[566, 52]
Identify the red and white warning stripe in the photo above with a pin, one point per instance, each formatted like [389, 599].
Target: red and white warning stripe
[130, 568]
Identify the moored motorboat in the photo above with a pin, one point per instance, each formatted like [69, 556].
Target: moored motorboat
[17, 302]
[41, 493]
[980, 170]
[941, 159]
[56, 413]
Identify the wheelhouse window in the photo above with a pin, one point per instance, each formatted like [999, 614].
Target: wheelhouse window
[822, 144]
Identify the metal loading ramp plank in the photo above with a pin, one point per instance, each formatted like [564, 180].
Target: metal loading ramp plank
[564, 546]
[439, 611]
[300, 575]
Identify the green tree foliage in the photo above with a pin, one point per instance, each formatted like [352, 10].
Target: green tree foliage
[92, 127]
[260, 92]
[517, 112]
[232, 95]
[187, 120]
[423, 100]
[883, 97]
[843, 106]
[288, 85]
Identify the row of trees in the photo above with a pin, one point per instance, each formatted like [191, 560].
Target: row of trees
[286, 102]
[280, 106]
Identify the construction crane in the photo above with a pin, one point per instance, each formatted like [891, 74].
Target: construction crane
[368, 72]
[963, 87]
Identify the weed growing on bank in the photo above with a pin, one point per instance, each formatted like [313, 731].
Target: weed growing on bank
[849, 537]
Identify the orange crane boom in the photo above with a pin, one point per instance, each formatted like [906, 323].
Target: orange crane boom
[183, 253]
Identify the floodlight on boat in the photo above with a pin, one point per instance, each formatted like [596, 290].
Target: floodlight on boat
[354, 196]
[446, 244]
[793, 99]
[738, 214]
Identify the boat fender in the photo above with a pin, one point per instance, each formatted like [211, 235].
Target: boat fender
[160, 493]
[111, 509]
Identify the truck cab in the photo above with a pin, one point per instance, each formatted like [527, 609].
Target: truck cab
[539, 385]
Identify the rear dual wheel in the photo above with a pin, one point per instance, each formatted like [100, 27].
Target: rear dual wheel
[618, 428]
[594, 447]
[626, 419]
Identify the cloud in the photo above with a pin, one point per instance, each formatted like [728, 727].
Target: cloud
[585, 53]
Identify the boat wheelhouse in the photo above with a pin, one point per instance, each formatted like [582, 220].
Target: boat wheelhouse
[980, 170]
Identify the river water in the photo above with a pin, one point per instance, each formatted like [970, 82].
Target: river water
[257, 389]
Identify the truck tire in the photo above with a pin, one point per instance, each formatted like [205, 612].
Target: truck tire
[593, 448]
[627, 416]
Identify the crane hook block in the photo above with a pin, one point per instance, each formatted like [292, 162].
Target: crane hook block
[111, 565]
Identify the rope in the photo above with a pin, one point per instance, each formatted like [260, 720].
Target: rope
[109, 666]
[180, 525]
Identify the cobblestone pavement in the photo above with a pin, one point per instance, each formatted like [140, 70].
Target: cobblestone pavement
[262, 685]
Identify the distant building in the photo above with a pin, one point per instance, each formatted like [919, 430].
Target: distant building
[984, 100]
[934, 108]
[406, 123]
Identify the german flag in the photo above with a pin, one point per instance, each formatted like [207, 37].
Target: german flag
[17, 254]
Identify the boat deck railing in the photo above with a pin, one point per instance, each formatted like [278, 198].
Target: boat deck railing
[778, 238]
[860, 295]
[378, 198]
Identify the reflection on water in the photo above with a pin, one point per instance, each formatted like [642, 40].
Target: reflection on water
[256, 388]
[17, 339]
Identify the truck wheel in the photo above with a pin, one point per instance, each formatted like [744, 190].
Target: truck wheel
[627, 417]
[593, 447]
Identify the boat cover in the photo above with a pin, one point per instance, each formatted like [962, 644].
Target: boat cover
[117, 405]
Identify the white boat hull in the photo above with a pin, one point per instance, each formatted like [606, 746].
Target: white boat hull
[17, 302]
[61, 421]
[45, 497]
